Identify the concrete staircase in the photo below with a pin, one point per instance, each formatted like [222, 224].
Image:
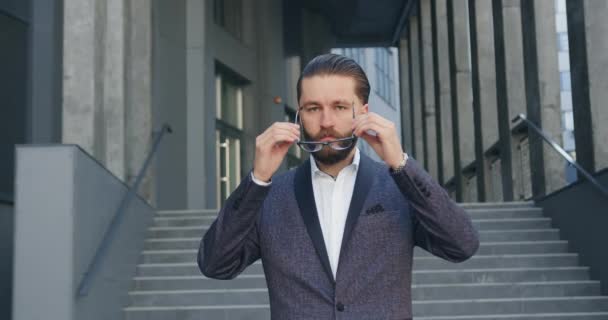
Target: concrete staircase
[521, 271]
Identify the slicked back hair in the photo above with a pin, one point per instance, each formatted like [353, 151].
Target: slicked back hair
[334, 64]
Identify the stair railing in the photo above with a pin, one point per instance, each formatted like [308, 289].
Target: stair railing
[562, 152]
[93, 268]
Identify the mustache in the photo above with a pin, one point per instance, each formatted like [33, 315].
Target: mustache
[326, 133]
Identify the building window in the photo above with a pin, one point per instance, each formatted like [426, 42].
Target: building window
[385, 84]
[356, 54]
[229, 15]
[229, 134]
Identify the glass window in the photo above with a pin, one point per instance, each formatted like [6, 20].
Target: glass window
[383, 62]
[229, 125]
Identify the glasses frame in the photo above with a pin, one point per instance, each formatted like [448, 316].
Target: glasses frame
[318, 145]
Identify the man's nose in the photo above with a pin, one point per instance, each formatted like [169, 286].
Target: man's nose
[328, 119]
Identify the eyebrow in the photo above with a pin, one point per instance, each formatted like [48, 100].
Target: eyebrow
[333, 103]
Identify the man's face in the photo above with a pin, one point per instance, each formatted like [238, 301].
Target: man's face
[326, 112]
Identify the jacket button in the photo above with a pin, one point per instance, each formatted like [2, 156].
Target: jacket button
[340, 306]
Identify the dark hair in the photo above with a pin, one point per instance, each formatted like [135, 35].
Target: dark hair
[335, 64]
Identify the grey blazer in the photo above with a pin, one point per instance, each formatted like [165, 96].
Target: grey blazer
[389, 214]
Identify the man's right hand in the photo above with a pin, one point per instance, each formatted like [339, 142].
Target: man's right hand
[271, 147]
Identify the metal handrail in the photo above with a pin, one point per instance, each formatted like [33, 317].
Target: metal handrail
[93, 268]
[562, 152]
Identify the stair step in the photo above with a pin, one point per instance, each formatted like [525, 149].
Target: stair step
[191, 282]
[176, 276]
[505, 290]
[513, 309]
[508, 224]
[420, 261]
[509, 306]
[486, 248]
[528, 316]
[194, 219]
[183, 221]
[419, 292]
[496, 205]
[500, 261]
[490, 230]
[518, 235]
[254, 312]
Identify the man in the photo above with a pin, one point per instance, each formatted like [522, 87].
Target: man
[335, 235]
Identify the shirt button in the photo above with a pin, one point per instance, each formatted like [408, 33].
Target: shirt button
[340, 306]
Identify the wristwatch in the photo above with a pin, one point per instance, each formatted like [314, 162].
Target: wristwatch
[401, 166]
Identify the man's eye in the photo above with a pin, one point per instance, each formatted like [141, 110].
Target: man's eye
[312, 109]
[342, 107]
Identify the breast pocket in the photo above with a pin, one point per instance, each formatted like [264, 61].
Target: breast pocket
[386, 226]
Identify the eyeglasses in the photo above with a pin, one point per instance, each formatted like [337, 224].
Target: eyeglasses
[315, 146]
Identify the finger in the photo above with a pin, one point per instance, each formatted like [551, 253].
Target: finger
[285, 125]
[374, 118]
[281, 138]
[274, 131]
[363, 128]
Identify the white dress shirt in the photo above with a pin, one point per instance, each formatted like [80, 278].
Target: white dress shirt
[332, 197]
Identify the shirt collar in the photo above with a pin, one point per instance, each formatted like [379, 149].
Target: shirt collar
[355, 164]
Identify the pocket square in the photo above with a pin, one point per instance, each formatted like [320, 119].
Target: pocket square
[375, 209]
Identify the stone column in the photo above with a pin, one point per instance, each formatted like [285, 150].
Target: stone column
[462, 109]
[516, 95]
[597, 47]
[139, 104]
[406, 94]
[418, 149]
[199, 114]
[444, 101]
[487, 85]
[113, 88]
[500, 157]
[547, 170]
[430, 129]
[80, 42]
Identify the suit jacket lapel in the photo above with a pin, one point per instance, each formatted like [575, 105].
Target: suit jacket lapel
[308, 209]
[363, 183]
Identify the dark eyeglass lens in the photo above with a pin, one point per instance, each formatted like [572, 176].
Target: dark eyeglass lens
[311, 147]
[341, 145]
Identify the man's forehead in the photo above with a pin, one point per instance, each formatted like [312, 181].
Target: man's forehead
[328, 89]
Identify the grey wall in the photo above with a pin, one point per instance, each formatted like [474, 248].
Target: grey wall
[169, 101]
[13, 94]
[64, 202]
[6, 259]
[581, 213]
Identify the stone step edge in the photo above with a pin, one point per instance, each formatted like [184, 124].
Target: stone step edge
[571, 268]
[467, 205]
[485, 256]
[487, 284]
[258, 276]
[419, 302]
[515, 315]
[482, 243]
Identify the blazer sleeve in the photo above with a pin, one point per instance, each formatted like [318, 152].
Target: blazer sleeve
[232, 241]
[440, 226]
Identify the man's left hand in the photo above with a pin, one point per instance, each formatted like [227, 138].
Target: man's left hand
[385, 141]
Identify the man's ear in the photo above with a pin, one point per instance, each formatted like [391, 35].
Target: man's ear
[365, 108]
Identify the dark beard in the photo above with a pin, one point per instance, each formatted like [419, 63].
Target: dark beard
[327, 155]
